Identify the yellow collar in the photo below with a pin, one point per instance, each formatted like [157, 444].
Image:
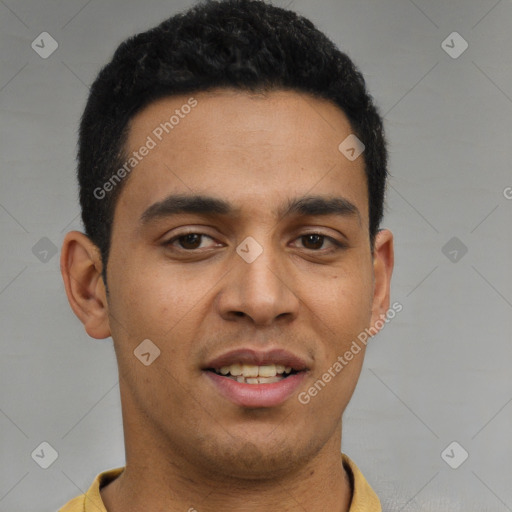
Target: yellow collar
[364, 498]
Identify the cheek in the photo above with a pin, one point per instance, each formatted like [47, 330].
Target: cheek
[153, 302]
[342, 305]
[158, 306]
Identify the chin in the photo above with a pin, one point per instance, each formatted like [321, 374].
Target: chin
[255, 459]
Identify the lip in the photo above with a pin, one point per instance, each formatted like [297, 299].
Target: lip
[259, 358]
[256, 395]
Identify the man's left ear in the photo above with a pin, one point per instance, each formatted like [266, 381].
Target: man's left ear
[383, 262]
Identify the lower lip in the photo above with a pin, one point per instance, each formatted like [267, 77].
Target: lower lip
[256, 395]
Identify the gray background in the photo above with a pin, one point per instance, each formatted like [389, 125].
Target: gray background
[439, 372]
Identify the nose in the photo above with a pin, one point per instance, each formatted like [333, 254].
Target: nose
[261, 292]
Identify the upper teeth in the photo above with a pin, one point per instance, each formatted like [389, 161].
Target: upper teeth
[250, 370]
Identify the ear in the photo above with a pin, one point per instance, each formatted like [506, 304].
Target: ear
[81, 267]
[383, 262]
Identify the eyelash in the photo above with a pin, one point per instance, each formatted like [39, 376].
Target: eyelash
[336, 243]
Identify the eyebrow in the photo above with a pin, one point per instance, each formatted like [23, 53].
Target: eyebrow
[212, 206]
[319, 205]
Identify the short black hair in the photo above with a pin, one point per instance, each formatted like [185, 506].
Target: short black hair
[243, 44]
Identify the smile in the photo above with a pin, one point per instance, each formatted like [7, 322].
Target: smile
[254, 374]
[255, 379]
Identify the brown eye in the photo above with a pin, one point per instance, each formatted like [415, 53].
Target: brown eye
[313, 241]
[190, 241]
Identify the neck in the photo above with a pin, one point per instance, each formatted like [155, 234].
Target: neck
[159, 478]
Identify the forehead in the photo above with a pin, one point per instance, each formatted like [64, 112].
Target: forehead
[241, 146]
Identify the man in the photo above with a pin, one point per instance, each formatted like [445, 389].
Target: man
[232, 171]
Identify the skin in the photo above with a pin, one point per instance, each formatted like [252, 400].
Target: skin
[186, 445]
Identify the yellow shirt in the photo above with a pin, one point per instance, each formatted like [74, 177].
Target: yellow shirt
[363, 497]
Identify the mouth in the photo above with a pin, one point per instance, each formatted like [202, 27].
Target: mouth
[254, 379]
[255, 374]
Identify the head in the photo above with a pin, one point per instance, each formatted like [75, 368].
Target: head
[246, 45]
[216, 134]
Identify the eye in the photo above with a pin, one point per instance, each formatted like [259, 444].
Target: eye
[316, 241]
[188, 241]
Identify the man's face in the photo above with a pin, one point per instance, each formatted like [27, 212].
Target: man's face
[177, 278]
